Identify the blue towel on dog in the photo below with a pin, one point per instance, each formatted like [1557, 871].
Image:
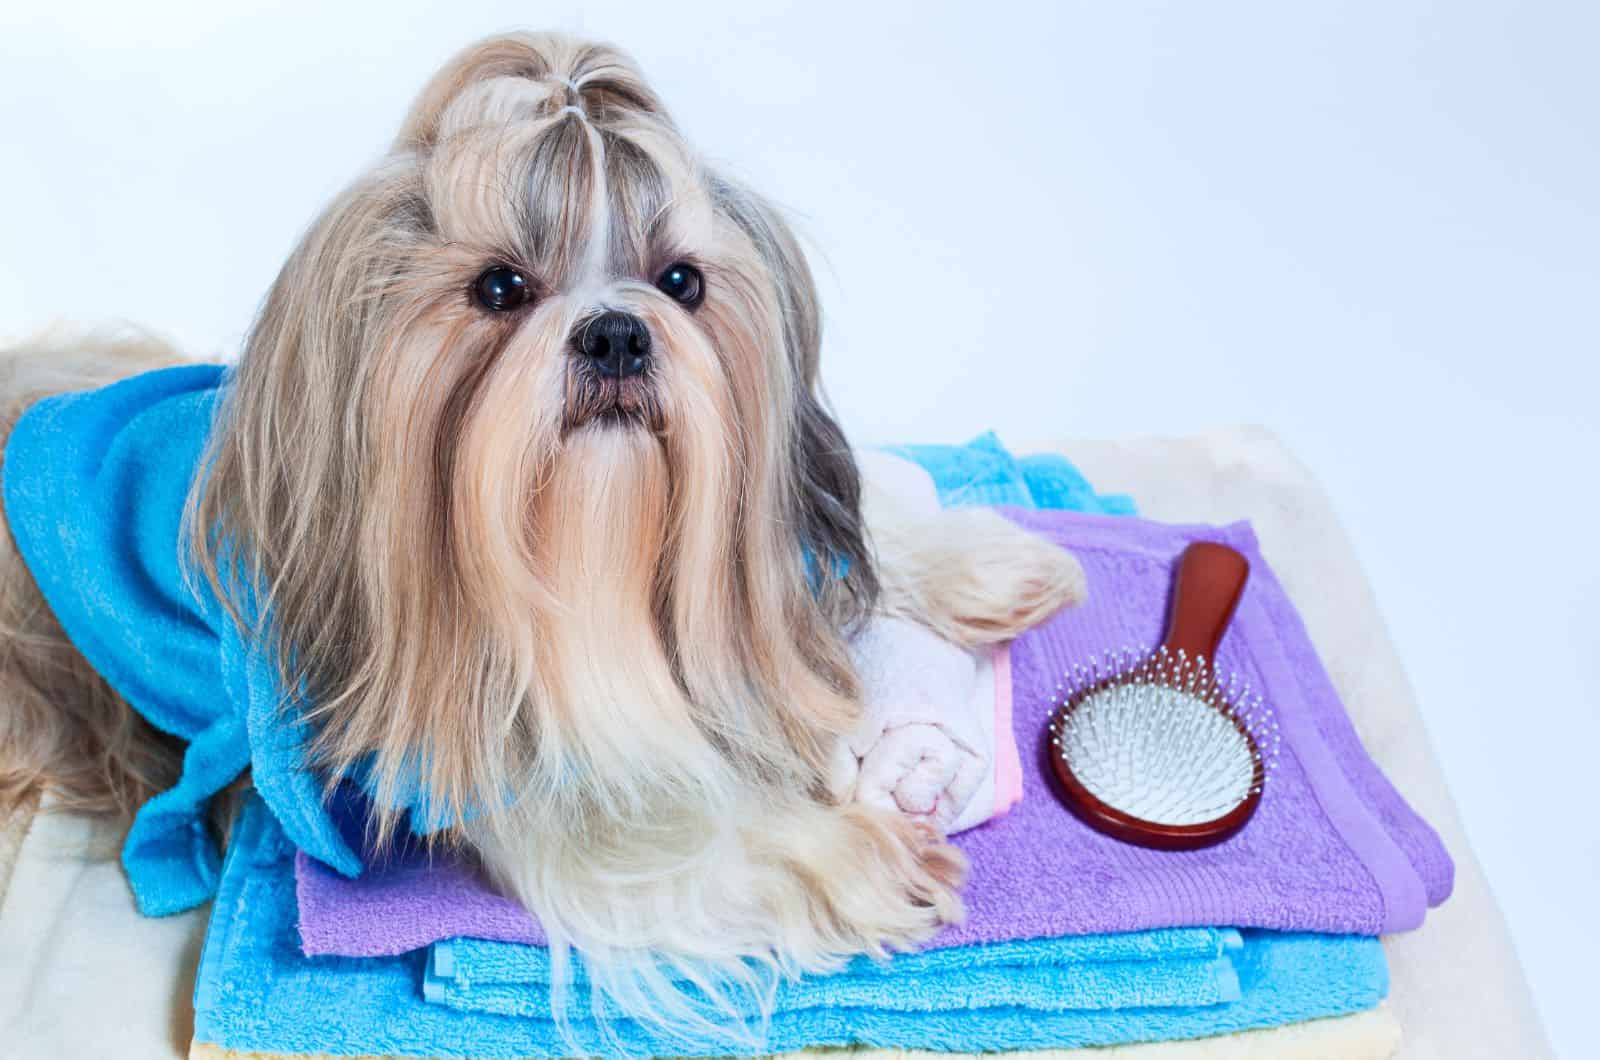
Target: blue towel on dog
[256, 992]
[95, 487]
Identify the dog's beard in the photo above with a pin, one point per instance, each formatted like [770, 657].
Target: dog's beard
[618, 708]
[591, 397]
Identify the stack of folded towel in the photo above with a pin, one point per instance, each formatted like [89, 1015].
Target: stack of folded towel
[1072, 938]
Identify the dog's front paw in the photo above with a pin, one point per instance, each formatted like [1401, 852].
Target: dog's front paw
[897, 884]
[974, 577]
[1044, 579]
[942, 870]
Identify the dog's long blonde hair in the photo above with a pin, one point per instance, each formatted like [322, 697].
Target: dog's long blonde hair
[610, 657]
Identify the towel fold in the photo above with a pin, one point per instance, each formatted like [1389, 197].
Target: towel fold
[256, 992]
[1181, 967]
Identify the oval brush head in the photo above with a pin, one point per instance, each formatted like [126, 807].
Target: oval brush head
[1155, 750]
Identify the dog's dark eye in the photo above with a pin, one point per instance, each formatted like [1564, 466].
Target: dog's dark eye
[501, 288]
[683, 284]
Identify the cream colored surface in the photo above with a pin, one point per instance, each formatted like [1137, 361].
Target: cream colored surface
[84, 976]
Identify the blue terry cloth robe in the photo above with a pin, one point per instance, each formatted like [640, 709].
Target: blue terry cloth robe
[95, 487]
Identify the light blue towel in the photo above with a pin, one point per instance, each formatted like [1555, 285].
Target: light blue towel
[983, 472]
[255, 991]
[1176, 967]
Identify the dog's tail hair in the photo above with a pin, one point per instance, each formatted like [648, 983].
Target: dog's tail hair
[63, 730]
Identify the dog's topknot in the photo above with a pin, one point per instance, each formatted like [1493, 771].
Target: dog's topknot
[600, 81]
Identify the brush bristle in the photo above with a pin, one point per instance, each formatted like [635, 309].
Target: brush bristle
[1161, 739]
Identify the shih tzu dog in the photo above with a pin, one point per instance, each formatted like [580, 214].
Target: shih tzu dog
[527, 453]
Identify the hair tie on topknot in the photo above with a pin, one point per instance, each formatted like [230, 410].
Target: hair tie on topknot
[573, 89]
[572, 96]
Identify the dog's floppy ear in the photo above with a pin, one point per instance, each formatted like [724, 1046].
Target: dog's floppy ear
[828, 483]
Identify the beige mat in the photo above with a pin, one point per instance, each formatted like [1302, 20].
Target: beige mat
[85, 977]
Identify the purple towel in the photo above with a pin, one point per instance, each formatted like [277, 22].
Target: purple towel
[1333, 847]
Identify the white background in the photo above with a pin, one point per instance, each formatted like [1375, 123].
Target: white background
[1374, 228]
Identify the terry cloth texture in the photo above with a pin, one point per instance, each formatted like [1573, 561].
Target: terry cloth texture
[95, 488]
[984, 472]
[1333, 847]
[256, 991]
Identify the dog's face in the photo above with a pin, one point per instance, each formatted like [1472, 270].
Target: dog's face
[527, 456]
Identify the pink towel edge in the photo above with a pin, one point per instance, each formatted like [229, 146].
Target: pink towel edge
[1007, 758]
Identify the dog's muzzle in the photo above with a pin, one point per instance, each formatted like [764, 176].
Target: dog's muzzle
[616, 344]
[610, 380]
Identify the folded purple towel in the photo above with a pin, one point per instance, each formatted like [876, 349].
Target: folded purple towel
[1333, 848]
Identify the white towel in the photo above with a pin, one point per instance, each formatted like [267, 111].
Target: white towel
[927, 745]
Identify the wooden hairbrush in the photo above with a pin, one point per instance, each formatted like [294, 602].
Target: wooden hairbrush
[1153, 749]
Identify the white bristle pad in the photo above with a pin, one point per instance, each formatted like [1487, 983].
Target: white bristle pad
[1163, 755]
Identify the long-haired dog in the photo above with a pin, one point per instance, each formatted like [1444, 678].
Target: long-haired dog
[527, 449]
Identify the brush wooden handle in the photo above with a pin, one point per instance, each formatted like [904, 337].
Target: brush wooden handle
[1210, 581]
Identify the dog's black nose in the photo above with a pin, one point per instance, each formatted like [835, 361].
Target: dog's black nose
[617, 343]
